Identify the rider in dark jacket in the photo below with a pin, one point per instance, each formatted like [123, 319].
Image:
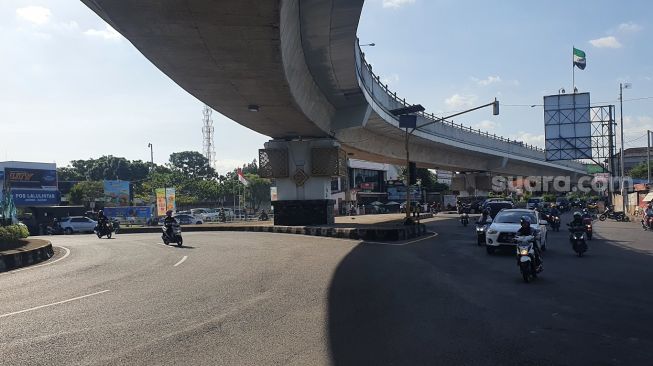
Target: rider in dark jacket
[168, 222]
[102, 220]
[527, 230]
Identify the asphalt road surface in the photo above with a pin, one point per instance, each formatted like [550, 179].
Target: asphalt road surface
[275, 299]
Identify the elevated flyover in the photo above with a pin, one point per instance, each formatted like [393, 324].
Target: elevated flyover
[292, 70]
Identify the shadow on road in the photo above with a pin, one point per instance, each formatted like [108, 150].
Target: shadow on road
[446, 302]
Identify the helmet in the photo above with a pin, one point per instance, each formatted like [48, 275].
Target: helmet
[585, 210]
[486, 211]
[169, 213]
[577, 215]
[100, 212]
[553, 205]
[525, 220]
[650, 205]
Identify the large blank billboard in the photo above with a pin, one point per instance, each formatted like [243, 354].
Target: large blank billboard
[567, 126]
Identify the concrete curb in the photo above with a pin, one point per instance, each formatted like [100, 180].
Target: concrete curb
[37, 251]
[365, 233]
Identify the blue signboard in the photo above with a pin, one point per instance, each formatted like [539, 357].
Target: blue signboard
[31, 178]
[144, 212]
[34, 197]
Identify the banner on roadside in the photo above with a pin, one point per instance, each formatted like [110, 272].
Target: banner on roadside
[171, 203]
[160, 201]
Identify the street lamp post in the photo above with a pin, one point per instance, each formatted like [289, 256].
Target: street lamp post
[624, 199]
[408, 120]
[151, 155]
[648, 156]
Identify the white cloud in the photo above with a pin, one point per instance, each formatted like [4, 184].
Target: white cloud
[629, 27]
[34, 14]
[390, 79]
[106, 33]
[458, 101]
[486, 125]
[606, 42]
[66, 26]
[396, 3]
[528, 138]
[490, 80]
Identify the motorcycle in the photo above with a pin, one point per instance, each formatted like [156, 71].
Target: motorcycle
[105, 229]
[526, 257]
[554, 221]
[609, 213]
[647, 223]
[481, 228]
[263, 217]
[577, 239]
[464, 218]
[587, 221]
[175, 237]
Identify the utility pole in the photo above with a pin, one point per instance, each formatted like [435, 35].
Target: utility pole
[648, 156]
[624, 199]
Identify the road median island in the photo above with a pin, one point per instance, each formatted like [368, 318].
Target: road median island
[381, 232]
[23, 253]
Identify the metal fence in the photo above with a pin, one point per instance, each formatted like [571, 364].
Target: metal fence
[388, 100]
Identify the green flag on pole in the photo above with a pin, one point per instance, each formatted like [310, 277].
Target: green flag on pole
[579, 59]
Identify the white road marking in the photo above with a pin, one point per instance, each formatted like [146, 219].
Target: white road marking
[41, 265]
[54, 303]
[181, 261]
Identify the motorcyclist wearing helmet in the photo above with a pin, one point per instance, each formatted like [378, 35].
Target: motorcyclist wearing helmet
[586, 214]
[102, 220]
[168, 222]
[485, 218]
[577, 221]
[527, 230]
[554, 211]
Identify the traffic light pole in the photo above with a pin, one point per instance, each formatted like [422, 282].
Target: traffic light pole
[415, 109]
[408, 219]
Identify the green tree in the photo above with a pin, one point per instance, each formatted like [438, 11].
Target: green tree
[258, 190]
[639, 171]
[85, 192]
[191, 164]
[69, 174]
[251, 168]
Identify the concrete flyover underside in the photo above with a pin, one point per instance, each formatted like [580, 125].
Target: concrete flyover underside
[298, 62]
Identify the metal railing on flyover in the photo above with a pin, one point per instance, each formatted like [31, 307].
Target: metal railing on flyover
[388, 100]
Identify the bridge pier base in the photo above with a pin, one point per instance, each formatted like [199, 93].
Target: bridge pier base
[302, 171]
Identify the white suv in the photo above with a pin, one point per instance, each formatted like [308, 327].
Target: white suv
[505, 225]
[77, 224]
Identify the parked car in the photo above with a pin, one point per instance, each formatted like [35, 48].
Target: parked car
[505, 225]
[184, 219]
[206, 214]
[77, 224]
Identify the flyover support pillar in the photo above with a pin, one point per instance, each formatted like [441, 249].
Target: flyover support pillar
[302, 172]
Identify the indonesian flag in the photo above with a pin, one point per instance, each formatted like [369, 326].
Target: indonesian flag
[242, 178]
[579, 59]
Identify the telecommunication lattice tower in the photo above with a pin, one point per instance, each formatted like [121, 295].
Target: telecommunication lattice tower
[207, 134]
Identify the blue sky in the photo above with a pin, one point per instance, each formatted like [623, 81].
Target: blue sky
[66, 76]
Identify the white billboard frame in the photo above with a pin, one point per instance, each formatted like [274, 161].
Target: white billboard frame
[567, 126]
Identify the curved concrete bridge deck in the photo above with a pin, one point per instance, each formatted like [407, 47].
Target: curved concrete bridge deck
[298, 61]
